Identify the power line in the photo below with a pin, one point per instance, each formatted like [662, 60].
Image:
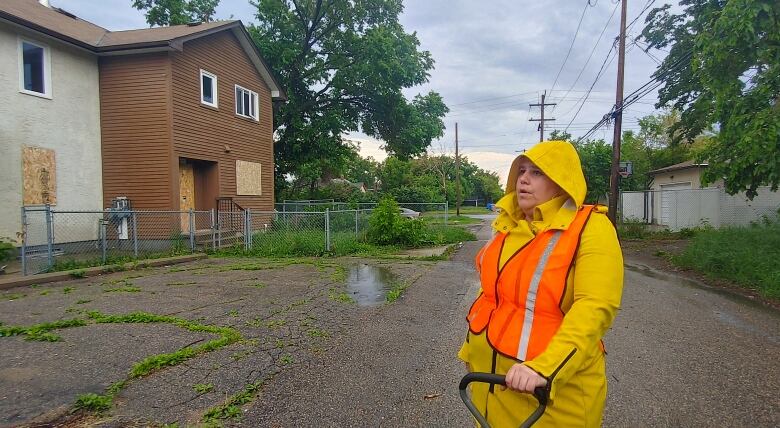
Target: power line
[566, 58]
[640, 92]
[493, 98]
[592, 51]
[598, 76]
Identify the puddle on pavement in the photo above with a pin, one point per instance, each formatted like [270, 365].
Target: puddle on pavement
[367, 284]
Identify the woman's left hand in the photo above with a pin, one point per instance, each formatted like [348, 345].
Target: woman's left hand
[523, 379]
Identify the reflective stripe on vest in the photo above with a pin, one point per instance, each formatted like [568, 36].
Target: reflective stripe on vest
[519, 304]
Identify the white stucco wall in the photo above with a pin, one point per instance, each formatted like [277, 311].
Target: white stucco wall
[68, 123]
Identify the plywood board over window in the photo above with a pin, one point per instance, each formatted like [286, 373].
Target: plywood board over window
[39, 176]
[248, 178]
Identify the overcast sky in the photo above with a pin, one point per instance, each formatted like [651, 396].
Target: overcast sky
[493, 58]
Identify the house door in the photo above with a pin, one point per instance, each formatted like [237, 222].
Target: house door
[186, 193]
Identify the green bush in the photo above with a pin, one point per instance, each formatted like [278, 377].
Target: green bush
[386, 226]
[6, 250]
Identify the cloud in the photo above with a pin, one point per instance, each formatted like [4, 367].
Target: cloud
[502, 54]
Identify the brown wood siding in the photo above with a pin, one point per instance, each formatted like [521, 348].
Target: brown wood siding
[202, 132]
[136, 130]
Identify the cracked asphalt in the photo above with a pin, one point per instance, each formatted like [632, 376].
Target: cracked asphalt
[680, 354]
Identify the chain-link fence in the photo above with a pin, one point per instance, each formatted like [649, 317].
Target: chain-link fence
[58, 240]
[678, 209]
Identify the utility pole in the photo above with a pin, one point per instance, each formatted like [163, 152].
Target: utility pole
[457, 173]
[542, 119]
[618, 115]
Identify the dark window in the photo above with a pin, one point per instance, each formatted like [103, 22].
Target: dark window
[33, 57]
[208, 89]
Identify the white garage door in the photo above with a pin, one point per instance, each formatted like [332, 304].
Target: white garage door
[669, 200]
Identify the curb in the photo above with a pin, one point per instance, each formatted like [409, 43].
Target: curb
[94, 271]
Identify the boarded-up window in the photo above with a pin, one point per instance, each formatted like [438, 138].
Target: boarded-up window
[39, 176]
[248, 178]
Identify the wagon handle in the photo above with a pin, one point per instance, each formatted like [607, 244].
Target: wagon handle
[540, 393]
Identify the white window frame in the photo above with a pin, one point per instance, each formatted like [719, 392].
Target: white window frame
[46, 68]
[254, 99]
[214, 89]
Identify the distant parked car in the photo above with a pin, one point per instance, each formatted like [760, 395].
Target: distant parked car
[406, 212]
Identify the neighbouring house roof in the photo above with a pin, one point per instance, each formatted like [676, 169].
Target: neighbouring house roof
[678, 166]
[65, 26]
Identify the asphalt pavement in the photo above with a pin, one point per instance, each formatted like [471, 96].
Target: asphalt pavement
[679, 353]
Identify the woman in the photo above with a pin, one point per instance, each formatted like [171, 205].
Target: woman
[552, 278]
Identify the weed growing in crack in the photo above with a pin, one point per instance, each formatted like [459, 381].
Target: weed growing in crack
[232, 407]
[83, 301]
[286, 359]
[67, 290]
[315, 332]
[202, 388]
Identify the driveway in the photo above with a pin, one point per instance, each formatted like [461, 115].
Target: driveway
[679, 354]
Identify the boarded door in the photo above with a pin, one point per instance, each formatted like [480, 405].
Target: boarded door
[186, 194]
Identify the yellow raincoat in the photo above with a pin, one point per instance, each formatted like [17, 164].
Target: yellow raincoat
[574, 357]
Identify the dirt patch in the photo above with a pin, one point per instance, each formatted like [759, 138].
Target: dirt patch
[657, 254]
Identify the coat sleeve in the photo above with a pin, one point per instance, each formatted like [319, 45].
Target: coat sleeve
[597, 289]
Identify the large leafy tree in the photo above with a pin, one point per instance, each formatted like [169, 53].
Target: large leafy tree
[343, 64]
[596, 160]
[176, 12]
[723, 70]
[652, 148]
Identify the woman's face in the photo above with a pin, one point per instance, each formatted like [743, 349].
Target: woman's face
[533, 188]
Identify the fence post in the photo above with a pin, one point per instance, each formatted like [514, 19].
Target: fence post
[192, 231]
[49, 236]
[135, 235]
[213, 231]
[103, 238]
[446, 209]
[327, 229]
[356, 221]
[247, 230]
[24, 242]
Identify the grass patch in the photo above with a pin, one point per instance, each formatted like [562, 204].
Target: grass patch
[315, 332]
[176, 283]
[125, 289]
[67, 290]
[41, 332]
[452, 220]
[83, 301]
[202, 388]
[92, 402]
[340, 296]
[13, 296]
[80, 273]
[745, 255]
[155, 362]
[396, 290]
[232, 407]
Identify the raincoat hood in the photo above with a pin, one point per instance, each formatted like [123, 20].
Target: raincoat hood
[560, 162]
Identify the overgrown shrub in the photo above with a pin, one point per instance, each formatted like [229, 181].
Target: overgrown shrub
[6, 250]
[386, 226]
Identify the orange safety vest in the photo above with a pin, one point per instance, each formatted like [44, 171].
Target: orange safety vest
[520, 303]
